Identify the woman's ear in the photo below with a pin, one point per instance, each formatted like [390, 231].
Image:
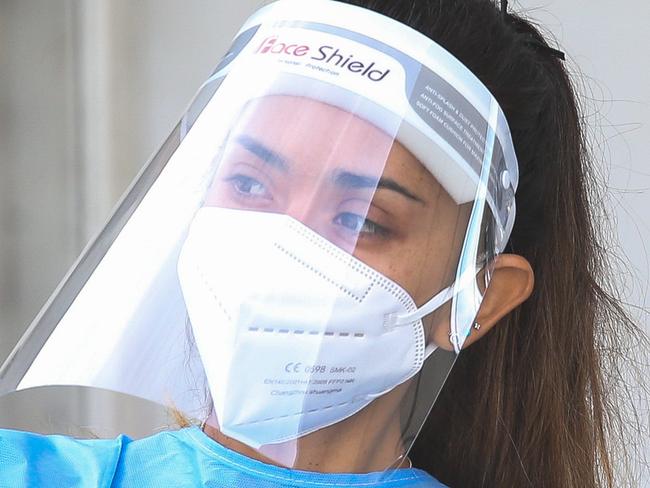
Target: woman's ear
[510, 285]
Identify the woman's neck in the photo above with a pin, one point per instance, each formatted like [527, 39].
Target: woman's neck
[370, 440]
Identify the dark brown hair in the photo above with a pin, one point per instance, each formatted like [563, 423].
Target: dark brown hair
[534, 403]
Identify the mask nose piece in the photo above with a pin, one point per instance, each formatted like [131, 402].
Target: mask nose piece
[303, 210]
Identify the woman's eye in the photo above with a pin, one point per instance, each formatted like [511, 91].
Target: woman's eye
[248, 186]
[358, 225]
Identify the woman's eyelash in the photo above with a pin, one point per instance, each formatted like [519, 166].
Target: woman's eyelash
[357, 224]
[244, 185]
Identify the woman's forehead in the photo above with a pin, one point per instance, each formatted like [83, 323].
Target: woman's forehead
[312, 132]
[312, 136]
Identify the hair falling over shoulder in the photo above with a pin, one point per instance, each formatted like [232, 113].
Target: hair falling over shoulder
[542, 399]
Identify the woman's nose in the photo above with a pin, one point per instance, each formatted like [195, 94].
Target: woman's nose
[307, 212]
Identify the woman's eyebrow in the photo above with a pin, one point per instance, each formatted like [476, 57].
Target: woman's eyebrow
[353, 180]
[261, 151]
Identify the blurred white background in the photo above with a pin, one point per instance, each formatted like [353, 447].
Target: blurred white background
[89, 89]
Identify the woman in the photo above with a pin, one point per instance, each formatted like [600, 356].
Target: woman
[343, 209]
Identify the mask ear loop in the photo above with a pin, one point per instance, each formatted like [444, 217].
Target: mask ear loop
[394, 320]
[399, 320]
[442, 297]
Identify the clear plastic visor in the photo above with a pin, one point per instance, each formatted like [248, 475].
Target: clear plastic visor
[292, 278]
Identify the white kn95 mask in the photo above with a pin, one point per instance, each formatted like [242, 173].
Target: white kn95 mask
[289, 327]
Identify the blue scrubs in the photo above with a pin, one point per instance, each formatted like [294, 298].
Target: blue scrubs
[182, 458]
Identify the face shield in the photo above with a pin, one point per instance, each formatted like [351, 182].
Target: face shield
[301, 262]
